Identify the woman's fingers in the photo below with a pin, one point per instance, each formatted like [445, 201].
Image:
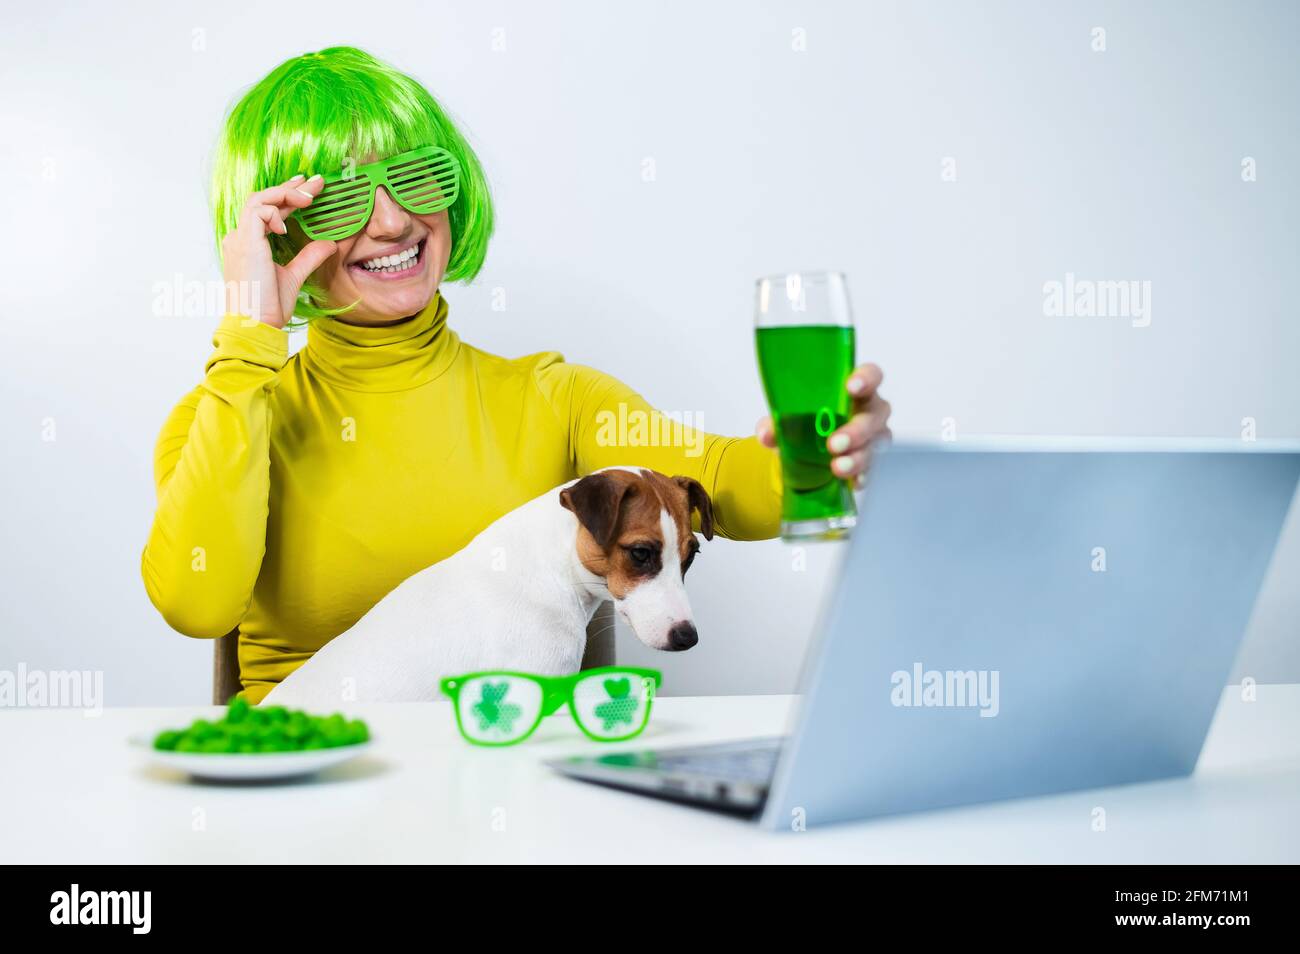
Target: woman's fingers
[309, 258]
[292, 194]
[301, 194]
[766, 433]
[267, 215]
[869, 422]
[284, 199]
[861, 429]
[246, 256]
[864, 381]
[854, 462]
[852, 466]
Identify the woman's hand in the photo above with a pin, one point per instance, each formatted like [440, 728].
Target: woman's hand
[850, 445]
[252, 276]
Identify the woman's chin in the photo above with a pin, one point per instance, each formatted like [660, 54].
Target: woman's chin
[392, 305]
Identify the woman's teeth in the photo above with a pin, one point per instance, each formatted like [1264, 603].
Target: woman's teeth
[392, 263]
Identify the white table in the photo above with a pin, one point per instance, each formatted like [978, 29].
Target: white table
[74, 792]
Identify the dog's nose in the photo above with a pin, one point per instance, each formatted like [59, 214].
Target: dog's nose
[682, 635]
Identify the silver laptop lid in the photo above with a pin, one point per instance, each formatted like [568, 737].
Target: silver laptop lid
[1016, 618]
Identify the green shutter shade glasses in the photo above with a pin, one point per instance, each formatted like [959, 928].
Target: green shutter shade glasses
[422, 181]
[501, 708]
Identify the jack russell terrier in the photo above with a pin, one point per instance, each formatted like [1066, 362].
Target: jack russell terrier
[521, 593]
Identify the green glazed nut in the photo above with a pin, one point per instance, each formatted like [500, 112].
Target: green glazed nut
[246, 729]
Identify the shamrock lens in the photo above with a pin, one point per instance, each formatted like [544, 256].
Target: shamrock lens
[498, 708]
[613, 705]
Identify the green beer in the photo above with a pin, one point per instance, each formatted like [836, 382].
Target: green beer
[805, 341]
[804, 368]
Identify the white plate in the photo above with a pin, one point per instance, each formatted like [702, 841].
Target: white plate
[251, 766]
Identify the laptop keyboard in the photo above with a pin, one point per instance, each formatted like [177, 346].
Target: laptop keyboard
[751, 764]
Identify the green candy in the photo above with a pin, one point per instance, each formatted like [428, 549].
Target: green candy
[246, 729]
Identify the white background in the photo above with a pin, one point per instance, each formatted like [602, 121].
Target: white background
[1116, 165]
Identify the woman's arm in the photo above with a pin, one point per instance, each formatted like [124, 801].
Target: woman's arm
[608, 423]
[212, 463]
[212, 471]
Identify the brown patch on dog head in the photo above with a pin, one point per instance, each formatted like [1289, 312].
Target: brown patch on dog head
[620, 536]
[596, 501]
[697, 498]
[683, 496]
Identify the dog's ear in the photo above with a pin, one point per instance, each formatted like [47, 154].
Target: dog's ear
[697, 498]
[595, 501]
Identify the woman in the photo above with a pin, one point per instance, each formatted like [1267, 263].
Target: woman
[293, 493]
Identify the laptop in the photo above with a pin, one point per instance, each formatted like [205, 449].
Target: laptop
[1010, 618]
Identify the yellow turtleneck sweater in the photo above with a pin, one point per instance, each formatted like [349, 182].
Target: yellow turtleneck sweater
[293, 493]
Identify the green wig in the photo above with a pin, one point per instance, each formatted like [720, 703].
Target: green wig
[314, 113]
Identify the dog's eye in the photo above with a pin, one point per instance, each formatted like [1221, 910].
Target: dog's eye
[641, 556]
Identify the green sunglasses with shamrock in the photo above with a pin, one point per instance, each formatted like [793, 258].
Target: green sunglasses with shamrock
[609, 704]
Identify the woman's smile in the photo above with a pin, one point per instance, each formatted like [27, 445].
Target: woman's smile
[394, 264]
